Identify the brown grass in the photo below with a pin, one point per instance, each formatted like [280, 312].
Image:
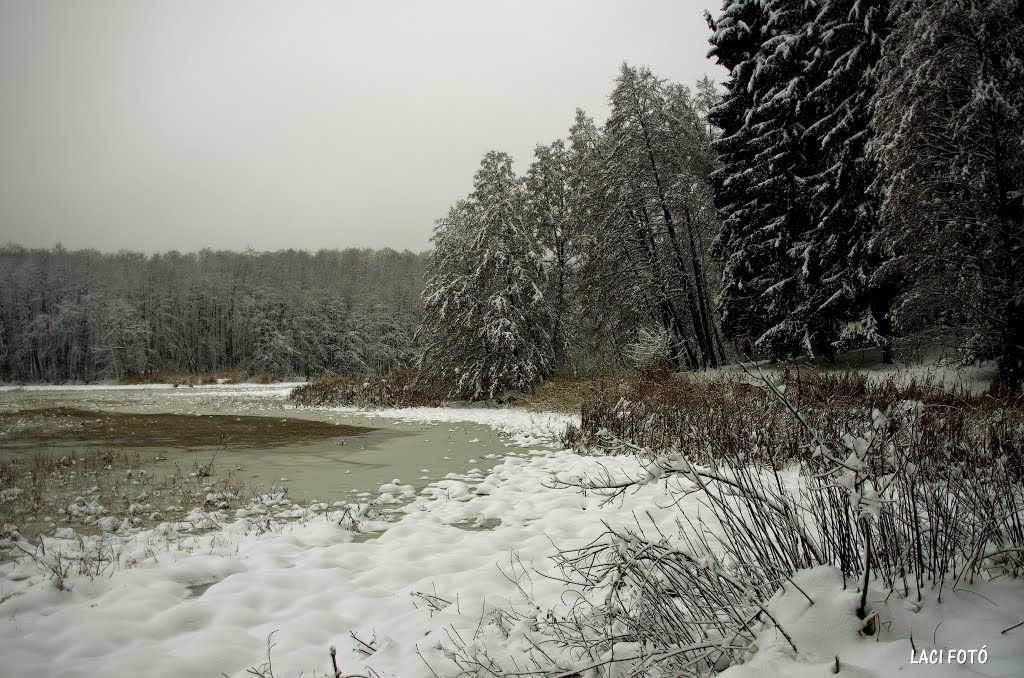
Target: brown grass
[403, 388]
[569, 394]
[735, 415]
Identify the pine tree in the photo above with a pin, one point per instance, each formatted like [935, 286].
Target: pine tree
[486, 323]
[843, 46]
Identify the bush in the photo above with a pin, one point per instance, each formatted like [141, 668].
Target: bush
[736, 415]
[263, 377]
[402, 388]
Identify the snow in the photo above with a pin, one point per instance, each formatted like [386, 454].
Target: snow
[180, 602]
[829, 629]
[308, 580]
[525, 427]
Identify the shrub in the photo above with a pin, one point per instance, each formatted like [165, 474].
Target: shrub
[736, 415]
[402, 388]
[264, 377]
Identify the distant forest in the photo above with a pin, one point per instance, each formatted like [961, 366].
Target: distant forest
[84, 315]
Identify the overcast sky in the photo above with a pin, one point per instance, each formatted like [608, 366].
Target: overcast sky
[131, 124]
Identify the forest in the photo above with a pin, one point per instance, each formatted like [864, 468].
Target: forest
[87, 316]
[857, 183]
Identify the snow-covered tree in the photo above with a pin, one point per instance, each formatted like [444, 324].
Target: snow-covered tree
[792, 190]
[843, 46]
[486, 325]
[552, 224]
[85, 315]
[652, 182]
[603, 282]
[949, 140]
[753, 246]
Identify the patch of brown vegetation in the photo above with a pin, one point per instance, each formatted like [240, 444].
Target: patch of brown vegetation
[569, 394]
[738, 416]
[60, 424]
[403, 388]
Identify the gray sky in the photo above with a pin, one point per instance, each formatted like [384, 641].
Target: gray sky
[132, 124]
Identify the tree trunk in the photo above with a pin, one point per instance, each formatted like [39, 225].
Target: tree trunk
[1011, 358]
[703, 341]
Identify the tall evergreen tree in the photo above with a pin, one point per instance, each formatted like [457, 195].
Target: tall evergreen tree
[753, 246]
[843, 46]
[792, 188]
[486, 324]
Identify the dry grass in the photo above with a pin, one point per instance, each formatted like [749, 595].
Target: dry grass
[735, 415]
[404, 388]
[569, 394]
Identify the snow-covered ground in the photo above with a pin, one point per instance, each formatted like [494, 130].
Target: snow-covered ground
[936, 368]
[187, 604]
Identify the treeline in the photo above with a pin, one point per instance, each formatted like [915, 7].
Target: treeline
[598, 255]
[85, 315]
[858, 182]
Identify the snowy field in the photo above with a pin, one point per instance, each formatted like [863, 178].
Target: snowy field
[166, 603]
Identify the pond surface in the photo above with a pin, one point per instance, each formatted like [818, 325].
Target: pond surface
[328, 469]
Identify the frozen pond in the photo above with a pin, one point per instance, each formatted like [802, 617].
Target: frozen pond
[328, 469]
[414, 453]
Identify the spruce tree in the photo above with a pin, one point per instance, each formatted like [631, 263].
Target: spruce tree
[842, 46]
[761, 200]
[486, 325]
[792, 189]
